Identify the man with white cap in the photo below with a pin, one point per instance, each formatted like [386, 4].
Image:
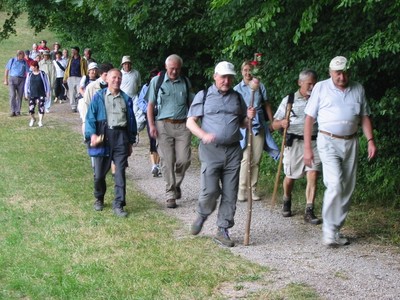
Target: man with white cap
[131, 80]
[339, 106]
[222, 112]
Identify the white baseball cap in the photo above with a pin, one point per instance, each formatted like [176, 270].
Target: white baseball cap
[92, 65]
[225, 68]
[338, 63]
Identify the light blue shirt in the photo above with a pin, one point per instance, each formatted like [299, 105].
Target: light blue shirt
[220, 114]
[17, 68]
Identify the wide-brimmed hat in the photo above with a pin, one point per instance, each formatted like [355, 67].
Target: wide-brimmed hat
[126, 59]
[46, 52]
[338, 63]
[225, 68]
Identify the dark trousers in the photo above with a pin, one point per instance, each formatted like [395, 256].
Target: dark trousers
[118, 141]
[59, 89]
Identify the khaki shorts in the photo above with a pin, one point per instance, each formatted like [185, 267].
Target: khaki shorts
[293, 163]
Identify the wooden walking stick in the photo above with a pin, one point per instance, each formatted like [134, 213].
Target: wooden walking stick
[254, 84]
[278, 173]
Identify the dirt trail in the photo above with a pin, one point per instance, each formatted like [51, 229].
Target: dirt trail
[291, 248]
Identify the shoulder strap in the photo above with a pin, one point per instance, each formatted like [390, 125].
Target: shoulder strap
[187, 90]
[261, 94]
[12, 62]
[60, 65]
[291, 98]
[160, 81]
[205, 91]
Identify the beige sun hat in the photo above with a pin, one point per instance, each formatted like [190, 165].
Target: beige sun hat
[126, 59]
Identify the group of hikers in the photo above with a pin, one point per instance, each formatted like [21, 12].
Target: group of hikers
[320, 121]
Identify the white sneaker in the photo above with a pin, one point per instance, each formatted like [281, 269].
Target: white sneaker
[40, 124]
[31, 122]
[55, 100]
[155, 171]
[47, 111]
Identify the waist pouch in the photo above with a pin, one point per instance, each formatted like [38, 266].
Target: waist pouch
[290, 137]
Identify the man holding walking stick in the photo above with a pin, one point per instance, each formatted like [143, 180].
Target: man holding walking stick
[222, 112]
[294, 167]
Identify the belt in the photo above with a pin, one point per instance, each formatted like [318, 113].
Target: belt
[117, 127]
[173, 121]
[343, 137]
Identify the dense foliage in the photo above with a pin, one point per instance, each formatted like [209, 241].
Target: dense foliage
[291, 34]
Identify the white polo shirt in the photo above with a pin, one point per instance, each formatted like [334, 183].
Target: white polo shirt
[336, 111]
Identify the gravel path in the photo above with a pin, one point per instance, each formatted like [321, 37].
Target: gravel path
[291, 248]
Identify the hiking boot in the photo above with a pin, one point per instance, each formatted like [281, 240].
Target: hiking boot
[287, 206]
[336, 241]
[309, 216]
[197, 225]
[119, 212]
[222, 237]
[98, 205]
[171, 203]
[178, 193]
[255, 196]
[242, 197]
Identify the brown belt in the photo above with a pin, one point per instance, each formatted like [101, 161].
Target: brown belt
[173, 121]
[343, 137]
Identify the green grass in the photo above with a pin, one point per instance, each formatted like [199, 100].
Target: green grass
[54, 246]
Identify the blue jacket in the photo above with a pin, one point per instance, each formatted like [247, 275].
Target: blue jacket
[96, 117]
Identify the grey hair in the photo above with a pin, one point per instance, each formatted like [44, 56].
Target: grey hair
[307, 73]
[174, 57]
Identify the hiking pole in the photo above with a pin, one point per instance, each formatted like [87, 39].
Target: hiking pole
[254, 84]
[278, 174]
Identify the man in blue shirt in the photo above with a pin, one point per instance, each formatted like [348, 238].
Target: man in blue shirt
[14, 77]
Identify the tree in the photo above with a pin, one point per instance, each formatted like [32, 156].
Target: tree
[291, 34]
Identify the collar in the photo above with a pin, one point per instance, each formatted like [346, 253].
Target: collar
[108, 92]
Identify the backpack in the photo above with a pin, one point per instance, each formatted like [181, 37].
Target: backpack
[140, 116]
